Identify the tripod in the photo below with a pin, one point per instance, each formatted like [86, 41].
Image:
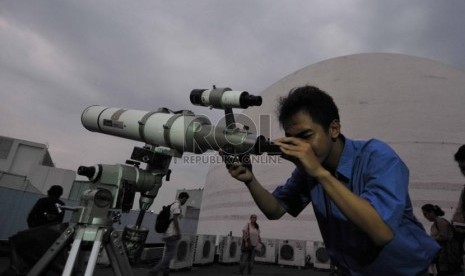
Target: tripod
[113, 186]
[90, 223]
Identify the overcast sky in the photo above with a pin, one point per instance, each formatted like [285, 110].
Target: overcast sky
[58, 57]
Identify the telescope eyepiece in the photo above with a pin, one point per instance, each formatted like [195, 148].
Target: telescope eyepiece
[264, 145]
[196, 96]
[247, 100]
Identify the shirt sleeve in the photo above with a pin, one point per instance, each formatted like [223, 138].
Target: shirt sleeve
[386, 186]
[176, 208]
[294, 195]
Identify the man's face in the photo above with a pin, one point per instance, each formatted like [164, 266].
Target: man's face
[301, 125]
[429, 215]
[462, 166]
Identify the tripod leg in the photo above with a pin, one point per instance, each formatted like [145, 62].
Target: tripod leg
[117, 255]
[94, 253]
[73, 252]
[56, 248]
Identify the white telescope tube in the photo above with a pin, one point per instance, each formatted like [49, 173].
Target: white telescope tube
[180, 131]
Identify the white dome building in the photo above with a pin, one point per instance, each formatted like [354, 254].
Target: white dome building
[414, 104]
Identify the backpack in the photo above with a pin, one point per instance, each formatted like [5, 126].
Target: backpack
[163, 219]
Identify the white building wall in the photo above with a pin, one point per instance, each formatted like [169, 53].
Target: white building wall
[25, 158]
[414, 104]
[17, 182]
[21, 155]
[44, 177]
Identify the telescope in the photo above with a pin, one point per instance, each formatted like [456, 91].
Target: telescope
[166, 134]
[182, 130]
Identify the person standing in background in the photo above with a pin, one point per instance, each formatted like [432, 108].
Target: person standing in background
[448, 259]
[171, 236]
[250, 241]
[458, 219]
[46, 210]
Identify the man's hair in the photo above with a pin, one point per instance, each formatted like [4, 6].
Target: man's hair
[183, 195]
[433, 208]
[310, 99]
[460, 154]
[55, 191]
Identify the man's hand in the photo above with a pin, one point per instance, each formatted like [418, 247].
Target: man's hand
[237, 169]
[301, 154]
[240, 172]
[267, 203]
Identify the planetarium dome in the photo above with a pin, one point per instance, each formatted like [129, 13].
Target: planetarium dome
[414, 104]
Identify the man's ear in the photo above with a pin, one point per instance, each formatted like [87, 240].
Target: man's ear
[335, 129]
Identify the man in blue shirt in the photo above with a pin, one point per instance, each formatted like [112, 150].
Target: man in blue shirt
[358, 189]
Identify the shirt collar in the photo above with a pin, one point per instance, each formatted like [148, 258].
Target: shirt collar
[346, 162]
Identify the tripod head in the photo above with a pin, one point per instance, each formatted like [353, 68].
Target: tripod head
[114, 186]
[120, 182]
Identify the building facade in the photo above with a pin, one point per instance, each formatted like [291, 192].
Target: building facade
[28, 166]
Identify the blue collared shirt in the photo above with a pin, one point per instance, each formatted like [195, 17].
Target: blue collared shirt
[373, 171]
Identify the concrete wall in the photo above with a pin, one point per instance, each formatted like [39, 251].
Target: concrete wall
[22, 155]
[17, 182]
[32, 161]
[43, 177]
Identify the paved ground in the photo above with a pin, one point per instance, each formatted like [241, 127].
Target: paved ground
[210, 270]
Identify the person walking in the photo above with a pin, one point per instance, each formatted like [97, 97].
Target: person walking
[171, 236]
[448, 260]
[250, 242]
